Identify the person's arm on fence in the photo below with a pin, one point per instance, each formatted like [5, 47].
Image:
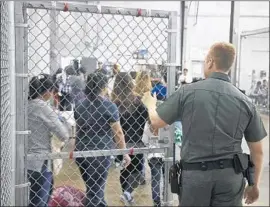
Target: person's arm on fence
[167, 113]
[53, 123]
[119, 137]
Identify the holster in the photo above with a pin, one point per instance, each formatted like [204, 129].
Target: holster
[250, 172]
[175, 177]
[240, 162]
[243, 164]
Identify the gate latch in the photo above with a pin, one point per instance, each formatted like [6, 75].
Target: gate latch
[21, 25]
[22, 75]
[171, 64]
[171, 31]
[23, 185]
[23, 132]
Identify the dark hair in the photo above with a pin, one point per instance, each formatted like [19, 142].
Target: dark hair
[59, 71]
[76, 64]
[133, 74]
[82, 70]
[70, 70]
[95, 83]
[123, 93]
[39, 85]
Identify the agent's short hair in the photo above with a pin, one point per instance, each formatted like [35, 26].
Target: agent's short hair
[223, 54]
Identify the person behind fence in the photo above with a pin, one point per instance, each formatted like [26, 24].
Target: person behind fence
[42, 121]
[65, 89]
[97, 124]
[185, 77]
[256, 93]
[115, 71]
[155, 162]
[265, 92]
[133, 116]
[159, 88]
[142, 84]
[77, 83]
[55, 79]
[215, 116]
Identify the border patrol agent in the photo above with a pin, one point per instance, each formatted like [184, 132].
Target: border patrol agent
[215, 116]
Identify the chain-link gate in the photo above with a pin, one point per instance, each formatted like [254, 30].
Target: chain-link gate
[6, 143]
[253, 66]
[104, 110]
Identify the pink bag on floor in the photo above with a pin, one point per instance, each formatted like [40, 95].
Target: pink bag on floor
[66, 196]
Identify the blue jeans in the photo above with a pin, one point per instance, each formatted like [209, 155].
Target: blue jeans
[130, 176]
[94, 171]
[157, 170]
[41, 186]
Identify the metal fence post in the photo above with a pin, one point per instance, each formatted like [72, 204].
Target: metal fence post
[171, 71]
[234, 36]
[54, 56]
[12, 95]
[183, 33]
[6, 187]
[21, 192]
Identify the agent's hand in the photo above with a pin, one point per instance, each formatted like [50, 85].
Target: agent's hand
[251, 194]
[126, 160]
[149, 101]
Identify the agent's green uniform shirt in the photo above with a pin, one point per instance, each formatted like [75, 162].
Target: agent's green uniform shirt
[215, 116]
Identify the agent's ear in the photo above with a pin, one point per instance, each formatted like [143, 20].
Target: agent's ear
[210, 63]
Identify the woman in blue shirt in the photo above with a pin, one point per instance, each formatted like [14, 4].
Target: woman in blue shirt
[97, 124]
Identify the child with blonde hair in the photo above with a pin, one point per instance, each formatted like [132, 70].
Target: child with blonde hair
[142, 83]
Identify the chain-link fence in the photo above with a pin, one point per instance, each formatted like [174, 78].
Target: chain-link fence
[6, 143]
[253, 72]
[82, 136]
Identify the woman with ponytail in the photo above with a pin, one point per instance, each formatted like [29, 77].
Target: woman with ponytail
[97, 125]
[42, 121]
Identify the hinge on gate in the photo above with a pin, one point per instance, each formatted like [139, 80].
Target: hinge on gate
[22, 75]
[168, 203]
[23, 132]
[24, 185]
[171, 64]
[168, 159]
[171, 30]
[21, 25]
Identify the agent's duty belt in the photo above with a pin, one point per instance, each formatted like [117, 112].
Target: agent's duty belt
[209, 165]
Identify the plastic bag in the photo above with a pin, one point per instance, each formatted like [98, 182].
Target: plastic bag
[67, 196]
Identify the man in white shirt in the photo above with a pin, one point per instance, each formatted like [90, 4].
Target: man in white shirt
[185, 77]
